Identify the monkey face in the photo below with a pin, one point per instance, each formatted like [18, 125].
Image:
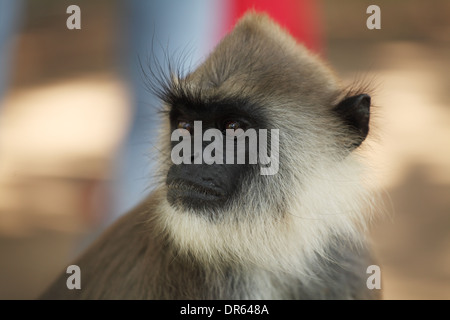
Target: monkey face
[256, 80]
[220, 148]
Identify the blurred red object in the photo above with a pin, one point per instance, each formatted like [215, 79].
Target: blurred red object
[300, 17]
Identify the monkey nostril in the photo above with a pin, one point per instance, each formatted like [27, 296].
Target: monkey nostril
[209, 182]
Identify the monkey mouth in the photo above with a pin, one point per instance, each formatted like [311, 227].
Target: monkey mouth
[193, 194]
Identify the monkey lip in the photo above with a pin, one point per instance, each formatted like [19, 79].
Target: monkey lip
[190, 190]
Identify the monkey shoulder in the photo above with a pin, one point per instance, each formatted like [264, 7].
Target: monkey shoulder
[342, 271]
[114, 265]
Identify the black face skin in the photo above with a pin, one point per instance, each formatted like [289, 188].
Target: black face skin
[205, 187]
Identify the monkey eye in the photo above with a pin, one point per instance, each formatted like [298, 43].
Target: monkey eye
[182, 124]
[233, 125]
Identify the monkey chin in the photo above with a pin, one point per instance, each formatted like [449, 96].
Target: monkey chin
[187, 195]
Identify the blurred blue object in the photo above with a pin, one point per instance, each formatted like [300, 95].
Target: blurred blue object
[10, 15]
[153, 31]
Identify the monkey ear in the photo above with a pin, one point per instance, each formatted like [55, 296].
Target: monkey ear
[355, 112]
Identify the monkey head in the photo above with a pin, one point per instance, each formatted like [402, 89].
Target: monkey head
[260, 80]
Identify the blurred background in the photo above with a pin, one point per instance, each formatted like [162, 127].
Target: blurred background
[77, 123]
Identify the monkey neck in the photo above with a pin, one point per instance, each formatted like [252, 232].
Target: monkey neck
[179, 276]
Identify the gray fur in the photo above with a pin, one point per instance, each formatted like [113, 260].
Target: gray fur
[299, 234]
[153, 270]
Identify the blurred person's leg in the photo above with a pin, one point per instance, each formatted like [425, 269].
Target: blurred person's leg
[157, 29]
[10, 12]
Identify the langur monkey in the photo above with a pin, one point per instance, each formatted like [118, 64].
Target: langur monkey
[226, 231]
